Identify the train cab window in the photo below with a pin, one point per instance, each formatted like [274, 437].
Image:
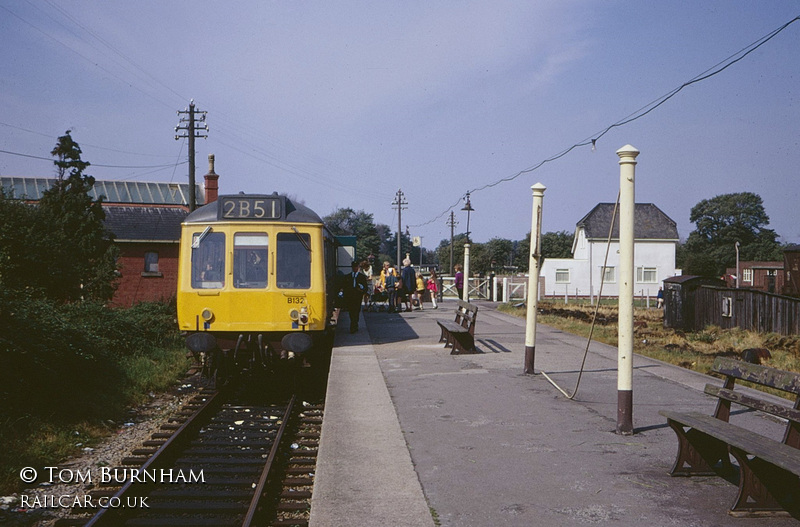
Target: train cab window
[293, 256]
[250, 250]
[208, 260]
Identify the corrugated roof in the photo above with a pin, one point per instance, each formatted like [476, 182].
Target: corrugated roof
[138, 192]
[650, 223]
[145, 223]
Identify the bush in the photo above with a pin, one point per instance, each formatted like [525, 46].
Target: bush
[69, 368]
[68, 362]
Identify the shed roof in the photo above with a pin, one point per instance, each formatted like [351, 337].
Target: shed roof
[143, 223]
[141, 192]
[650, 223]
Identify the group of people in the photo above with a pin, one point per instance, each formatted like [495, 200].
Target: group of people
[404, 289]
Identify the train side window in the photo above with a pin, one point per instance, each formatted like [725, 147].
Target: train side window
[250, 250]
[208, 261]
[293, 258]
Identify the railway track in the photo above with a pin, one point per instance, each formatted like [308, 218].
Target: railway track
[230, 459]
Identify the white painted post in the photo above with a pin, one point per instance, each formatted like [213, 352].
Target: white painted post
[533, 276]
[505, 289]
[466, 273]
[627, 203]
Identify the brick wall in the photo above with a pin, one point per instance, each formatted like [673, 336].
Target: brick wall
[135, 285]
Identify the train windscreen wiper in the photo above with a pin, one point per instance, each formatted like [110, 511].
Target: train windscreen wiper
[197, 241]
[299, 237]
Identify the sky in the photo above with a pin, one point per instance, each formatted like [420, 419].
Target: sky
[342, 104]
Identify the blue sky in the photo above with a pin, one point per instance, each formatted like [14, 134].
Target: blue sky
[343, 103]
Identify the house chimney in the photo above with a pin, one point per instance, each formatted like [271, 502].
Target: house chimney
[212, 187]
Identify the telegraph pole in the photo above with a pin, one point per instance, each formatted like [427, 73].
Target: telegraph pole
[193, 128]
[399, 202]
[452, 223]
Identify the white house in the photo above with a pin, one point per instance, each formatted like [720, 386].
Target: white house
[655, 241]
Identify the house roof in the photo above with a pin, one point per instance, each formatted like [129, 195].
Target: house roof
[143, 223]
[650, 223]
[141, 192]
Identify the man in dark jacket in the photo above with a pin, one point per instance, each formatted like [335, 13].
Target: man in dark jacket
[354, 286]
[409, 277]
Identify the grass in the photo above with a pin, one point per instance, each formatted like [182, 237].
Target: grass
[72, 371]
[691, 350]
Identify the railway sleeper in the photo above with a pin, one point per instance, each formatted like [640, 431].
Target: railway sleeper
[286, 506]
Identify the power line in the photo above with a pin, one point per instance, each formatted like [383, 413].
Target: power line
[93, 164]
[638, 114]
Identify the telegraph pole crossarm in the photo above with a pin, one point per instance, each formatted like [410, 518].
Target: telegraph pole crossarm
[194, 127]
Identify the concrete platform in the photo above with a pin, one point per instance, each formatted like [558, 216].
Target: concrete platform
[415, 436]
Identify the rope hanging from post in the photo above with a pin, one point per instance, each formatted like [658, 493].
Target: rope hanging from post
[594, 317]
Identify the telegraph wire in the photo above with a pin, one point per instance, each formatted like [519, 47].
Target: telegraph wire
[50, 136]
[93, 164]
[638, 114]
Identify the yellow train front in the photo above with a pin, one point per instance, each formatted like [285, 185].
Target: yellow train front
[256, 281]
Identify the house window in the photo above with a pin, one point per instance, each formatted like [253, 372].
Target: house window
[610, 275]
[646, 275]
[151, 262]
[562, 276]
[747, 275]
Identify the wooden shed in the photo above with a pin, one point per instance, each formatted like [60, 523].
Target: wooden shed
[679, 300]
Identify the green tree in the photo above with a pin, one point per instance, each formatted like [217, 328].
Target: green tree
[721, 222]
[554, 245]
[557, 244]
[496, 254]
[68, 254]
[347, 222]
[20, 245]
[443, 252]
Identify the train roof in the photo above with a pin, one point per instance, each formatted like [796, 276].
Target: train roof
[254, 207]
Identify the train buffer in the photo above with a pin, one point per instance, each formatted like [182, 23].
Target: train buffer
[768, 468]
[460, 334]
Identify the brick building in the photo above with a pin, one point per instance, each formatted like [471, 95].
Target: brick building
[145, 219]
[764, 276]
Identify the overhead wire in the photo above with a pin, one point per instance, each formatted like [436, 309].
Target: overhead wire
[638, 114]
[91, 164]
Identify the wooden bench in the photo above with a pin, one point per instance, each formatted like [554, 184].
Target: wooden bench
[768, 469]
[460, 334]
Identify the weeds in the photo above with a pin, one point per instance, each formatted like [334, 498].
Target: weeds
[68, 369]
[692, 350]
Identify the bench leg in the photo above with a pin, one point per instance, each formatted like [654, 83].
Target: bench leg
[764, 489]
[699, 454]
[463, 343]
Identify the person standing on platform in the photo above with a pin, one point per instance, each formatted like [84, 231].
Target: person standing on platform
[433, 287]
[420, 293]
[388, 283]
[409, 278]
[459, 281]
[354, 285]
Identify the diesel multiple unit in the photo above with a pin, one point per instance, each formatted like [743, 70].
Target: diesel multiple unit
[256, 279]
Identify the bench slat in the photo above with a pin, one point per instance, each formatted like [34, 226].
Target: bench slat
[790, 414]
[763, 375]
[452, 327]
[755, 444]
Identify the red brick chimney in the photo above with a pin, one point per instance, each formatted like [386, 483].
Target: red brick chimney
[212, 186]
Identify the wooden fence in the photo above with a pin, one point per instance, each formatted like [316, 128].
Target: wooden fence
[747, 309]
